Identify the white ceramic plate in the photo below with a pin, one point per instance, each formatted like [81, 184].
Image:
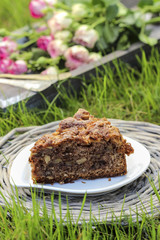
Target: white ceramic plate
[137, 163]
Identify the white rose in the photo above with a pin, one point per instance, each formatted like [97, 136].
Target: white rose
[50, 71]
[61, 20]
[63, 35]
[86, 36]
[79, 10]
[76, 56]
[94, 57]
[56, 48]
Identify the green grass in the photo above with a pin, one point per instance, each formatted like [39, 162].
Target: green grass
[14, 14]
[18, 222]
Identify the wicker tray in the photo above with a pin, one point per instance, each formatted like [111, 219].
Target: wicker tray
[137, 194]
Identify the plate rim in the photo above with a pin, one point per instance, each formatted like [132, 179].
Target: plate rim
[82, 192]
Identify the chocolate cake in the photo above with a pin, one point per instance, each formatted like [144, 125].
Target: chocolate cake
[82, 147]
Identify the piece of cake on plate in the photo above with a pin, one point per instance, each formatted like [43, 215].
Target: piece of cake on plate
[82, 147]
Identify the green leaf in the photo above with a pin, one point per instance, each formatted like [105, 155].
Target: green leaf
[123, 42]
[153, 9]
[122, 9]
[101, 44]
[110, 2]
[129, 19]
[146, 39]
[26, 55]
[153, 20]
[144, 3]
[95, 2]
[139, 19]
[22, 55]
[111, 12]
[37, 53]
[99, 28]
[43, 62]
[110, 33]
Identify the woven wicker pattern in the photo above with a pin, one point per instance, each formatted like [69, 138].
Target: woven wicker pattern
[136, 193]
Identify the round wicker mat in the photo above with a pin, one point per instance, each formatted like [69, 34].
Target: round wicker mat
[132, 198]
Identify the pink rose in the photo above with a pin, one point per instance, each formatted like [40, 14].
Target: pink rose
[6, 65]
[7, 47]
[19, 67]
[76, 56]
[61, 20]
[85, 36]
[3, 52]
[36, 8]
[50, 71]
[9, 66]
[56, 48]
[43, 42]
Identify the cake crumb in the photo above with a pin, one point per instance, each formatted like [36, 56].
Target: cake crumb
[83, 182]
[109, 179]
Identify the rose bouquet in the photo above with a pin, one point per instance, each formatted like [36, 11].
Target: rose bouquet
[68, 35]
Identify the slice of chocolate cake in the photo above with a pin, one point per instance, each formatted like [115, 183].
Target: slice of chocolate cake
[82, 147]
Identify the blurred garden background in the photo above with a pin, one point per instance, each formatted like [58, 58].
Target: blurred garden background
[11, 20]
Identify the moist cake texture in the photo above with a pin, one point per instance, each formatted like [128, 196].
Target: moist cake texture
[82, 147]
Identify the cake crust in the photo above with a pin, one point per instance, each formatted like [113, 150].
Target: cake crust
[82, 147]
[85, 128]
